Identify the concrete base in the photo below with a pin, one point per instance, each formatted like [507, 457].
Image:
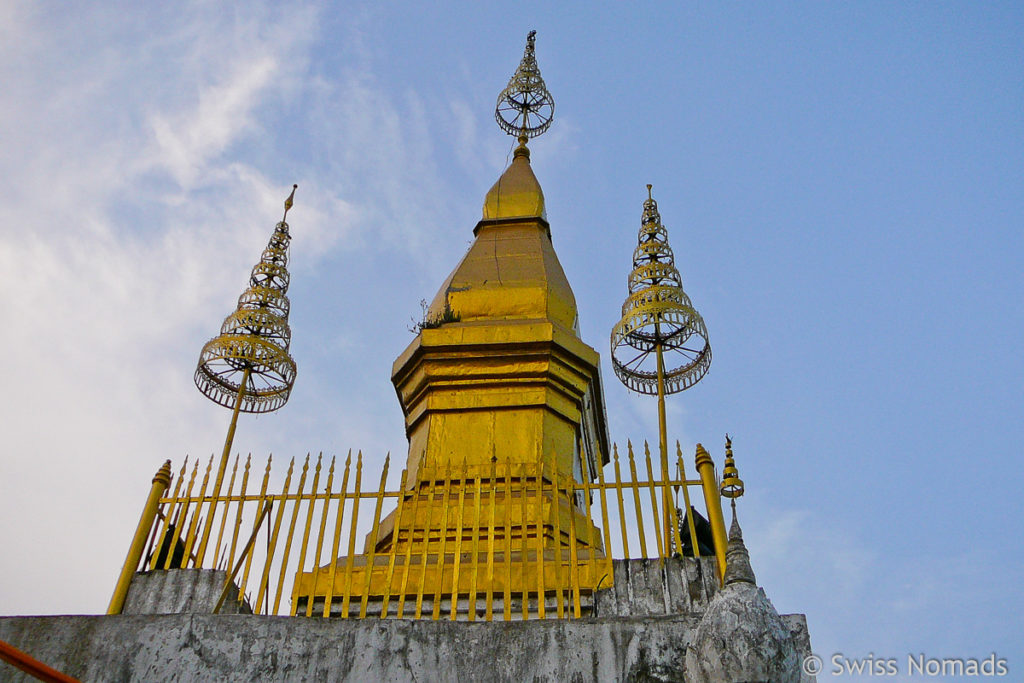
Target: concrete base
[639, 627]
[182, 591]
[677, 585]
[247, 648]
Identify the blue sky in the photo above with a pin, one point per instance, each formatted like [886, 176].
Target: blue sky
[841, 184]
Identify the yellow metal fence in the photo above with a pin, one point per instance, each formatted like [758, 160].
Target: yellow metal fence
[311, 548]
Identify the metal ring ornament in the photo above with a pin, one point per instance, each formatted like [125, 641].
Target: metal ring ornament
[525, 110]
[265, 298]
[652, 250]
[260, 322]
[652, 274]
[636, 331]
[673, 326]
[270, 275]
[657, 293]
[224, 360]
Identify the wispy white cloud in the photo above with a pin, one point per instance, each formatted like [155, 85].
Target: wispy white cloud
[113, 256]
[146, 183]
[185, 141]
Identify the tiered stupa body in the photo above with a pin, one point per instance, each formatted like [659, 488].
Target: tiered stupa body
[508, 380]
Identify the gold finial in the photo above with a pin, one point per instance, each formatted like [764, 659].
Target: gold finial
[702, 457]
[163, 475]
[288, 203]
[732, 485]
[649, 196]
[525, 107]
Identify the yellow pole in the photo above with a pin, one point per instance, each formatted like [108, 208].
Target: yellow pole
[622, 509]
[556, 506]
[524, 545]
[713, 500]
[636, 500]
[666, 494]
[161, 480]
[371, 556]
[686, 504]
[654, 506]
[393, 551]
[223, 463]
[541, 586]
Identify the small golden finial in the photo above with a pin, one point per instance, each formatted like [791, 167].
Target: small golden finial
[732, 485]
[288, 203]
[649, 195]
[525, 107]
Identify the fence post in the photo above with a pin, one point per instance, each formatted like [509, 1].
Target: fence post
[713, 501]
[161, 480]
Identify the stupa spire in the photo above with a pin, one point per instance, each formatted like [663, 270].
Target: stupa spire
[525, 109]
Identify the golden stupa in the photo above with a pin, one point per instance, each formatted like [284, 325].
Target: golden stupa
[499, 394]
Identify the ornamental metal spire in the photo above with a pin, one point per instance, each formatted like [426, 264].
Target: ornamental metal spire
[732, 485]
[247, 366]
[658, 319]
[525, 107]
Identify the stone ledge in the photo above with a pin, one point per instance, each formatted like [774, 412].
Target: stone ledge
[246, 648]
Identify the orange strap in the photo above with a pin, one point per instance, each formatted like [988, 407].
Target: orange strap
[32, 666]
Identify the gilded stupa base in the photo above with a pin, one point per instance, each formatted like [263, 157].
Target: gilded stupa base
[523, 575]
[487, 540]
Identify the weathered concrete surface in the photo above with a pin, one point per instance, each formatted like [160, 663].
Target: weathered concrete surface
[742, 638]
[247, 648]
[797, 624]
[182, 591]
[679, 585]
[642, 624]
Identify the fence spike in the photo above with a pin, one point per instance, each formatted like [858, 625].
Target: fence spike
[507, 526]
[460, 516]
[635, 485]
[393, 551]
[315, 568]
[350, 560]
[622, 507]
[654, 504]
[335, 547]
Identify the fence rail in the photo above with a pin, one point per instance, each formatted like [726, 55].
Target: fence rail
[509, 540]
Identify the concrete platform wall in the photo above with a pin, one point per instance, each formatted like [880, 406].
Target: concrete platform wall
[187, 647]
